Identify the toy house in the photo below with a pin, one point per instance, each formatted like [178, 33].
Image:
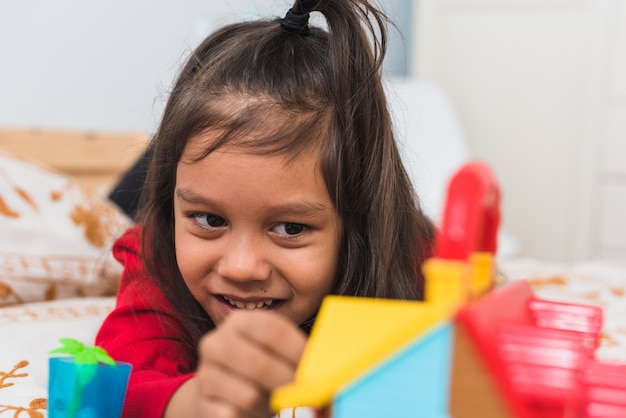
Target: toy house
[471, 349]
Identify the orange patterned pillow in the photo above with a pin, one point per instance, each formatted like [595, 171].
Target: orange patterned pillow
[55, 236]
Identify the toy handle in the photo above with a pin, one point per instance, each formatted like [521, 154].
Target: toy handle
[471, 214]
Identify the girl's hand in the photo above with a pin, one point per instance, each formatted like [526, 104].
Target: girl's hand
[250, 354]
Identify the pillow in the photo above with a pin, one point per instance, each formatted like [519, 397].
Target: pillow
[430, 138]
[433, 145]
[55, 236]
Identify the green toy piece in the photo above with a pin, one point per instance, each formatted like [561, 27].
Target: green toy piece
[83, 354]
[87, 358]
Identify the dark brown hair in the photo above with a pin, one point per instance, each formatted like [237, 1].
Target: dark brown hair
[323, 86]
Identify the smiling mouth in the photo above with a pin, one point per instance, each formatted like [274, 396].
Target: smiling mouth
[260, 304]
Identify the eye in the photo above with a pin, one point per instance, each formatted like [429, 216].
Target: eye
[290, 229]
[207, 220]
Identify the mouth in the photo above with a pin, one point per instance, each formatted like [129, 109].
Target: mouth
[263, 304]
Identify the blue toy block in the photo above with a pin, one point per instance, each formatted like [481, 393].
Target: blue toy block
[412, 383]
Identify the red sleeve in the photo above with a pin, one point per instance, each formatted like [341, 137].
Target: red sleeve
[142, 330]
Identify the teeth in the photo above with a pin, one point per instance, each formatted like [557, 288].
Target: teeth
[249, 305]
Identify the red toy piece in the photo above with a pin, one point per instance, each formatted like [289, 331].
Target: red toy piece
[534, 350]
[472, 214]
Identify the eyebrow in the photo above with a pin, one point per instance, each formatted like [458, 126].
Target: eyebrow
[191, 197]
[300, 208]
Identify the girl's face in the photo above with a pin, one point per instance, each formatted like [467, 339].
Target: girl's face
[254, 231]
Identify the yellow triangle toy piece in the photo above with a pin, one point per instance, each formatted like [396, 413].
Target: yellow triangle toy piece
[350, 336]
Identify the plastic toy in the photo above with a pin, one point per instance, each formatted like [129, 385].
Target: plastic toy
[471, 214]
[336, 368]
[86, 383]
[471, 349]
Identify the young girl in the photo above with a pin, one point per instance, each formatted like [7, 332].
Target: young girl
[275, 180]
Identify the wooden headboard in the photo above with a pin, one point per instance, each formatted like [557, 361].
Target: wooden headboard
[95, 160]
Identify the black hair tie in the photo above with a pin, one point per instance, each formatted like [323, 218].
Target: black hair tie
[296, 22]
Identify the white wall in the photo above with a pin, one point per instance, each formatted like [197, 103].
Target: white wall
[539, 88]
[100, 65]
[108, 65]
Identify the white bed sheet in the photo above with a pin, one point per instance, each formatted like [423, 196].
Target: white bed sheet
[28, 332]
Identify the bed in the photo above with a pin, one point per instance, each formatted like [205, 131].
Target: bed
[57, 278]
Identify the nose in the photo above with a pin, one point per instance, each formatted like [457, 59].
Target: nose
[244, 259]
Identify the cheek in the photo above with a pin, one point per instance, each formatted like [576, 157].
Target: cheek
[318, 272]
[330, 268]
[317, 281]
[321, 268]
[333, 257]
[191, 260]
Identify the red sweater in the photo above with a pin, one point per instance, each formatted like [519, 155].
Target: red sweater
[142, 330]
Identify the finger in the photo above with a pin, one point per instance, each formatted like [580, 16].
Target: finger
[230, 351]
[273, 332]
[223, 387]
[215, 408]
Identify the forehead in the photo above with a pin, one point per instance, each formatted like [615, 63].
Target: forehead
[212, 142]
[259, 124]
[235, 155]
[232, 177]
[289, 141]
